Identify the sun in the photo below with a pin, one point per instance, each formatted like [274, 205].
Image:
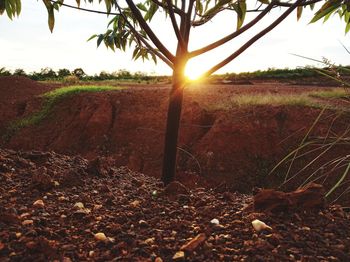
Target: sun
[194, 71]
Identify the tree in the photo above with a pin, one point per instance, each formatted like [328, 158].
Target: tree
[19, 72]
[4, 72]
[63, 73]
[130, 27]
[78, 72]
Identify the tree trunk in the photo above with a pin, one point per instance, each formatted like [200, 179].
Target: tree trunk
[173, 124]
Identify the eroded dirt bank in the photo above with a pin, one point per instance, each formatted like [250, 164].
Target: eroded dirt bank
[237, 145]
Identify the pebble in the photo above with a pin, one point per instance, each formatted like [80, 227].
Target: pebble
[215, 221]
[179, 256]
[79, 205]
[39, 204]
[259, 225]
[27, 222]
[135, 203]
[101, 237]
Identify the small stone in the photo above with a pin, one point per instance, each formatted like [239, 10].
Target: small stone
[179, 256]
[101, 237]
[135, 203]
[28, 222]
[194, 243]
[91, 253]
[62, 198]
[259, 225]
[56, 183]
[143, 223]
[150, 241]
[158, 259]
[18, 234]
[39, 204]
[24, 215]
[79, 205]
[215, 221]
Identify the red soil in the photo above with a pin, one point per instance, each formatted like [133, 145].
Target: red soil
[237, 145]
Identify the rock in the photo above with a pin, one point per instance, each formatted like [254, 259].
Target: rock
[79, 205]
[158, 259]
[269, 200]
[215, 221]
[259, 225]
[143, 223]
[150, 241]
[194, 243]
[39, 204]
[179, 256]
[135, 203]
[101, 237]
[27, 222]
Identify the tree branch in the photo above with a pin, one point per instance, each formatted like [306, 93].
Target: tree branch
[188, 20]
[141, 39]
[253, 40]
[83, 9]
[233, 35]
[306, 3]
[149, 31]
[174, 23]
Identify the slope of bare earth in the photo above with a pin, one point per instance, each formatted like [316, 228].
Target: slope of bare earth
[61, 208]
[238, 145]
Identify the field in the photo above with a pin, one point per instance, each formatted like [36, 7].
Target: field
[231, 137]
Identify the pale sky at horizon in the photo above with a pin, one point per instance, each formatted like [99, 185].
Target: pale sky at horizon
[27, 43]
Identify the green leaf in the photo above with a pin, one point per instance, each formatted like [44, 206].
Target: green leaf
[328, 7]
[8, 9]
[242, 7]
[91, 37]
[142, 7]
[18, 7]
[151, 11]
[299, 12]
[347, 28]
[199, 7]
[51, 20]
[100, 39]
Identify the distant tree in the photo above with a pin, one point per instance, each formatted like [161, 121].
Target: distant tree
[47, 73]
[4, 72]
[19, 72]
[78, 72]
[130, 27]
[105, 75]
[123, 74]
[63, 73]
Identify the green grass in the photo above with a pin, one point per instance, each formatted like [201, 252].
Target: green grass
[50, 99]
[246, 100]
[271, 99]
[334, 93]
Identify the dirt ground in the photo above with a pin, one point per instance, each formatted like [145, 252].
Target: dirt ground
[82, 184]
[61, 208]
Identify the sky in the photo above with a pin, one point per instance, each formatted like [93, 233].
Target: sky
[27, 43]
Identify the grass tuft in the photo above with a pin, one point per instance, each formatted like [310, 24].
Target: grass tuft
[334, 93]
[272, 99]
